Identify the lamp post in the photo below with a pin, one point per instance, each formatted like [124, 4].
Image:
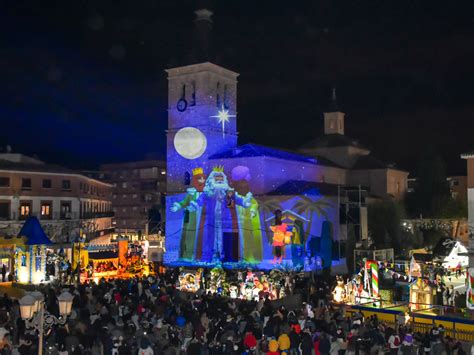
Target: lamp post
[35, 316]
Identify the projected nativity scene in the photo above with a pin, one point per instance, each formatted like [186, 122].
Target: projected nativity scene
[251, 205]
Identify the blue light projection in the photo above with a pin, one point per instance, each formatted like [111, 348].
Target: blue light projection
[223, 117]
[222, 222]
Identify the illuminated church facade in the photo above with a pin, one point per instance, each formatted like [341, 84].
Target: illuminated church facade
[253, 205]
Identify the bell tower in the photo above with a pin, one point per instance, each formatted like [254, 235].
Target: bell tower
[201, 118]
[202, 110]
[334, 119]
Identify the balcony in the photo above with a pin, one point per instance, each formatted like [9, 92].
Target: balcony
[88, 215]
[55, 216]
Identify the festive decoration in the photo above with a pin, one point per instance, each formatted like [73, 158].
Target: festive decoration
[223, 117]
[470, 288]
[190, 281]
[190, 143]
[339, 292]
[375, 280]
[372, 267]
[221, 223]
[216, 280]
[281, 236]
[421, 294]
[190, 218]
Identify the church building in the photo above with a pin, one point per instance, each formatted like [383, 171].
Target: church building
[257, 206]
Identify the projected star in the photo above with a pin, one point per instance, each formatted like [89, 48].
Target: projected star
[223, 117]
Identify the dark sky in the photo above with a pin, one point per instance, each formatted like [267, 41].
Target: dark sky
[83, 82]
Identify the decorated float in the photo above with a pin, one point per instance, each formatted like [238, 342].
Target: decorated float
[119, 259]
[28, 253]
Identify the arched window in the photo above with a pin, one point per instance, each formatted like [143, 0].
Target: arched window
[187, 178]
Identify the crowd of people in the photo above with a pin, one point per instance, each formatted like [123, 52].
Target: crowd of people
[150, 316]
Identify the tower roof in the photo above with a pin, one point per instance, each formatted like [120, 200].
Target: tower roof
[201, 67]
[34, 233]
[333, 107]
[201, 52]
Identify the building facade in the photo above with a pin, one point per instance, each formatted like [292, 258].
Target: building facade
[470, 202]
[355, 163]
[67, 204]
[458, 187]
[241, 205]
[139, 190]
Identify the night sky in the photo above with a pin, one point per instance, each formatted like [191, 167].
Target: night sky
[83, 82]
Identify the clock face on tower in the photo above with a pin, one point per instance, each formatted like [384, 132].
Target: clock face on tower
[182, 105]
[190, 142]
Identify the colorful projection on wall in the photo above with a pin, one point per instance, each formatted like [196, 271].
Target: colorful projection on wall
[190, 142]
[223, 117]
[219, 221]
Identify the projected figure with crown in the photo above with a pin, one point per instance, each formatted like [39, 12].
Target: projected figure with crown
[191, 214]
[219, 201]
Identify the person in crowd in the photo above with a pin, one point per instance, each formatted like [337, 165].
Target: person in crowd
[148, 316]
[394, 343]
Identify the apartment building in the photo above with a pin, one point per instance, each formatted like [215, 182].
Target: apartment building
[68, 204]
[138, 195]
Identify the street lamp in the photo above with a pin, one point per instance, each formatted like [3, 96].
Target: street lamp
[33, 312]
[27, 307]
[65, 303]
[39, 297]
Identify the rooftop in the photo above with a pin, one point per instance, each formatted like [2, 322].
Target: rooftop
[36, 167]
[300, 187]
[33, 232]
[369, 162]
[467, 155]
[332, 140]
[148, 163]
[20, 162]
[254, 150]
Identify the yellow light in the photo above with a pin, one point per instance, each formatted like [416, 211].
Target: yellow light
[38, 277]
[407, 317]
[23, 275]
